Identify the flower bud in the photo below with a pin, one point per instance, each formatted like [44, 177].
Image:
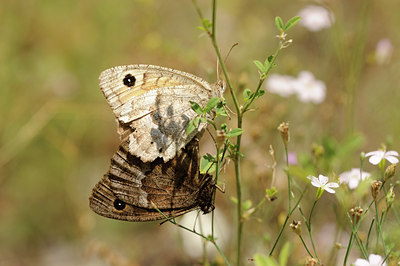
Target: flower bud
[284, 130]
[296, 227]
[390, 171]
[390, 197]
[375, 188]
[220, 138]
[317, 150]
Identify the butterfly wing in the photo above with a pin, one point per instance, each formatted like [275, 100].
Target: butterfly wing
[152, 106]
[174, 187]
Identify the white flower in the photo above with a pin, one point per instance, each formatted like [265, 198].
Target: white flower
[322, 182]
[280, 84]
[308, 89]
[353, 178]
[193, 244]
[378, 156]
[383, 51]
[315, 18]
[373, 260]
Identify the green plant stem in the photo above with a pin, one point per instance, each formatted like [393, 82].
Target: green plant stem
[305, 246]
[284, 224]
[378, 230]
[309, 229]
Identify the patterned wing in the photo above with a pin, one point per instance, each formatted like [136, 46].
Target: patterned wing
[152, 106]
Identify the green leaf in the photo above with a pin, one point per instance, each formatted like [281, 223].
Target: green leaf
[220, 110]
[196, 121]
[246, 94]
[279, 23]
[196, 107]
[207, 164]
[293, 21]
[284, 254]
[259, 65]
[203, 120]
[271, 192]
[234, 199]
[224, 127]
[234, 132]
[264, 260]
[247, 204]
[259, 93]
[211, 104]
[190, 127]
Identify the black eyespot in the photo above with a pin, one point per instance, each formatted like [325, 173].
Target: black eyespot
[119, 205]
[129, 80]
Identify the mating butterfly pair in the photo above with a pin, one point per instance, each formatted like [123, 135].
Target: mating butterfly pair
[155, 172]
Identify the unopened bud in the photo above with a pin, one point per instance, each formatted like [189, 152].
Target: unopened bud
[220, 138]
[296, 227]
[317, 150]
[390, 171]
[375, 188]
[390, 197]
[284, 130]
[311, 262]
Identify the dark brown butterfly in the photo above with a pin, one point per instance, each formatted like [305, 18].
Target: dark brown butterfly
[128, 189]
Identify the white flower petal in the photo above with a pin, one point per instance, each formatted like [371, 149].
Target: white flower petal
[392, 159]
[329, 190]
[375, 260]
[375, 159]
[353, 183]
[370, 153]
[323, 179]
[392, 153]
[361, 262]
[332, 185]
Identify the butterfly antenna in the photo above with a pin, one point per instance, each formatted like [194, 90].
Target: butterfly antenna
[230, 50]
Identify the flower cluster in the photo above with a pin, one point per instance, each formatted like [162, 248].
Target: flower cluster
[315, 18]
[305, 87]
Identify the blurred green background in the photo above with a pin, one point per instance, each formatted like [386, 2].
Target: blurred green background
[57, 133]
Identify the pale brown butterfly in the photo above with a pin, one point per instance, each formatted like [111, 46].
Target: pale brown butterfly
[151, 104]
[133, 190]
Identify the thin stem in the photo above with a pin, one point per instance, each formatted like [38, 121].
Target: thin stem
[305, 246]
[309, 229]
[284, 224]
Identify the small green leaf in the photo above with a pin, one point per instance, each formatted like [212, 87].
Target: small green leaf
[196, 121]
[247, 204]
[203, 120]
[284, 254]
[201, 28]
[264, 260]
[211, 104]
[259, 65]
[220, 110]
[246, 94]
[234, 132]
[260, 93]
[196, 107]
[293, 21]
[234, 199]
[271, 192]
[224, 126]
[279, 23]
[207, 164]
[190, 127]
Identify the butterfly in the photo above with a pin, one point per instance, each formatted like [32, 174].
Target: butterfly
[152, 107]
[133, 190]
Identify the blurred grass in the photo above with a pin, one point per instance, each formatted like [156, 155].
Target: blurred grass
[57, 133]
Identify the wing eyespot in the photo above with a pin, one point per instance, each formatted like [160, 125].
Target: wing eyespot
[129, 80]
[119, 205]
